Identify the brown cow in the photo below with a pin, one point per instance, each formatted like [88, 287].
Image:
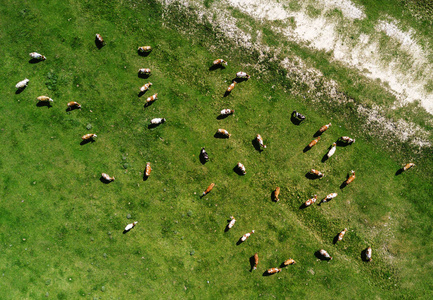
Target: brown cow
[350, 178]
[290, 261]
[311, 201]
[231, 87]
[148, 169]
[89, 136]
[256, 261]
[274, 270]
[277, 194]
[408, 166]
[313, 142]
[219, 61]
[209, 188]
[341, 234]
[324, 128]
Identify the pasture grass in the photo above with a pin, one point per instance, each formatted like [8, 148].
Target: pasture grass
[61, 227]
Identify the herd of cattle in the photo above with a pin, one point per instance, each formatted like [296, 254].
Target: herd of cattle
[240, 76]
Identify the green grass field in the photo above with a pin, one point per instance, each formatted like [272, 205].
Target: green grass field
[61, 227]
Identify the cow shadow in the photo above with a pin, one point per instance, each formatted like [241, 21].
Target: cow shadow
[252, 263]
[144, 54]
[238, 171]
[306, 149]
[105, 181]
[222, 117]
[364, 255]
[202, 159]
[99, 44]
[325, 157]
[265, 273]
[226, 93]
[256, 145]
[140, 94]
[71, 108]
[310, 176]
[295, 120]
[126, 231]
[84, 142]
[19, 91]
[151, 126]
[239, 241]
[343, 185]
[273, 198]
[318, 133]
[34, 61]
[399, 171]
[216, 67]
[143, 76]
[220, 136]
[43, 104]
[303, 206]
[335, 240]
[147, 104]
[239, 80]
[145, 178]
[320, 256]
[341, 143]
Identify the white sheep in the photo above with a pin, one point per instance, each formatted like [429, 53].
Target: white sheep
[22, 84]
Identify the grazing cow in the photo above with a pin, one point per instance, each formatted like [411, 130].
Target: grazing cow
[290, 261]
[88, 137]
[241, 168]
[37, 56]
[325, 254]
[242, 75]
[408, 166]
[341, 234]
[246, 235]
[204, 154]
[368, 254]
[324, 128]
[144, 49]
[130, 226]
[157, 121]
[107, 177]
[22, 84]
[256, 261]
[99, 39]
[298, 116]
[347, 139]
[274, 270]
[329, 197]
[45, 99]
[277, 194]
[311, 201]
[219, 62]
[260, 141]
[332, 150]
[144, 71]
[313, 142]
[232, 222]
[227, 111]
[316, 173]
[73, 104]
[145, 87]
[224, 132]
[209, 188]
[231, 87]
[350, 178]
[152, 98]
[148, 169]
